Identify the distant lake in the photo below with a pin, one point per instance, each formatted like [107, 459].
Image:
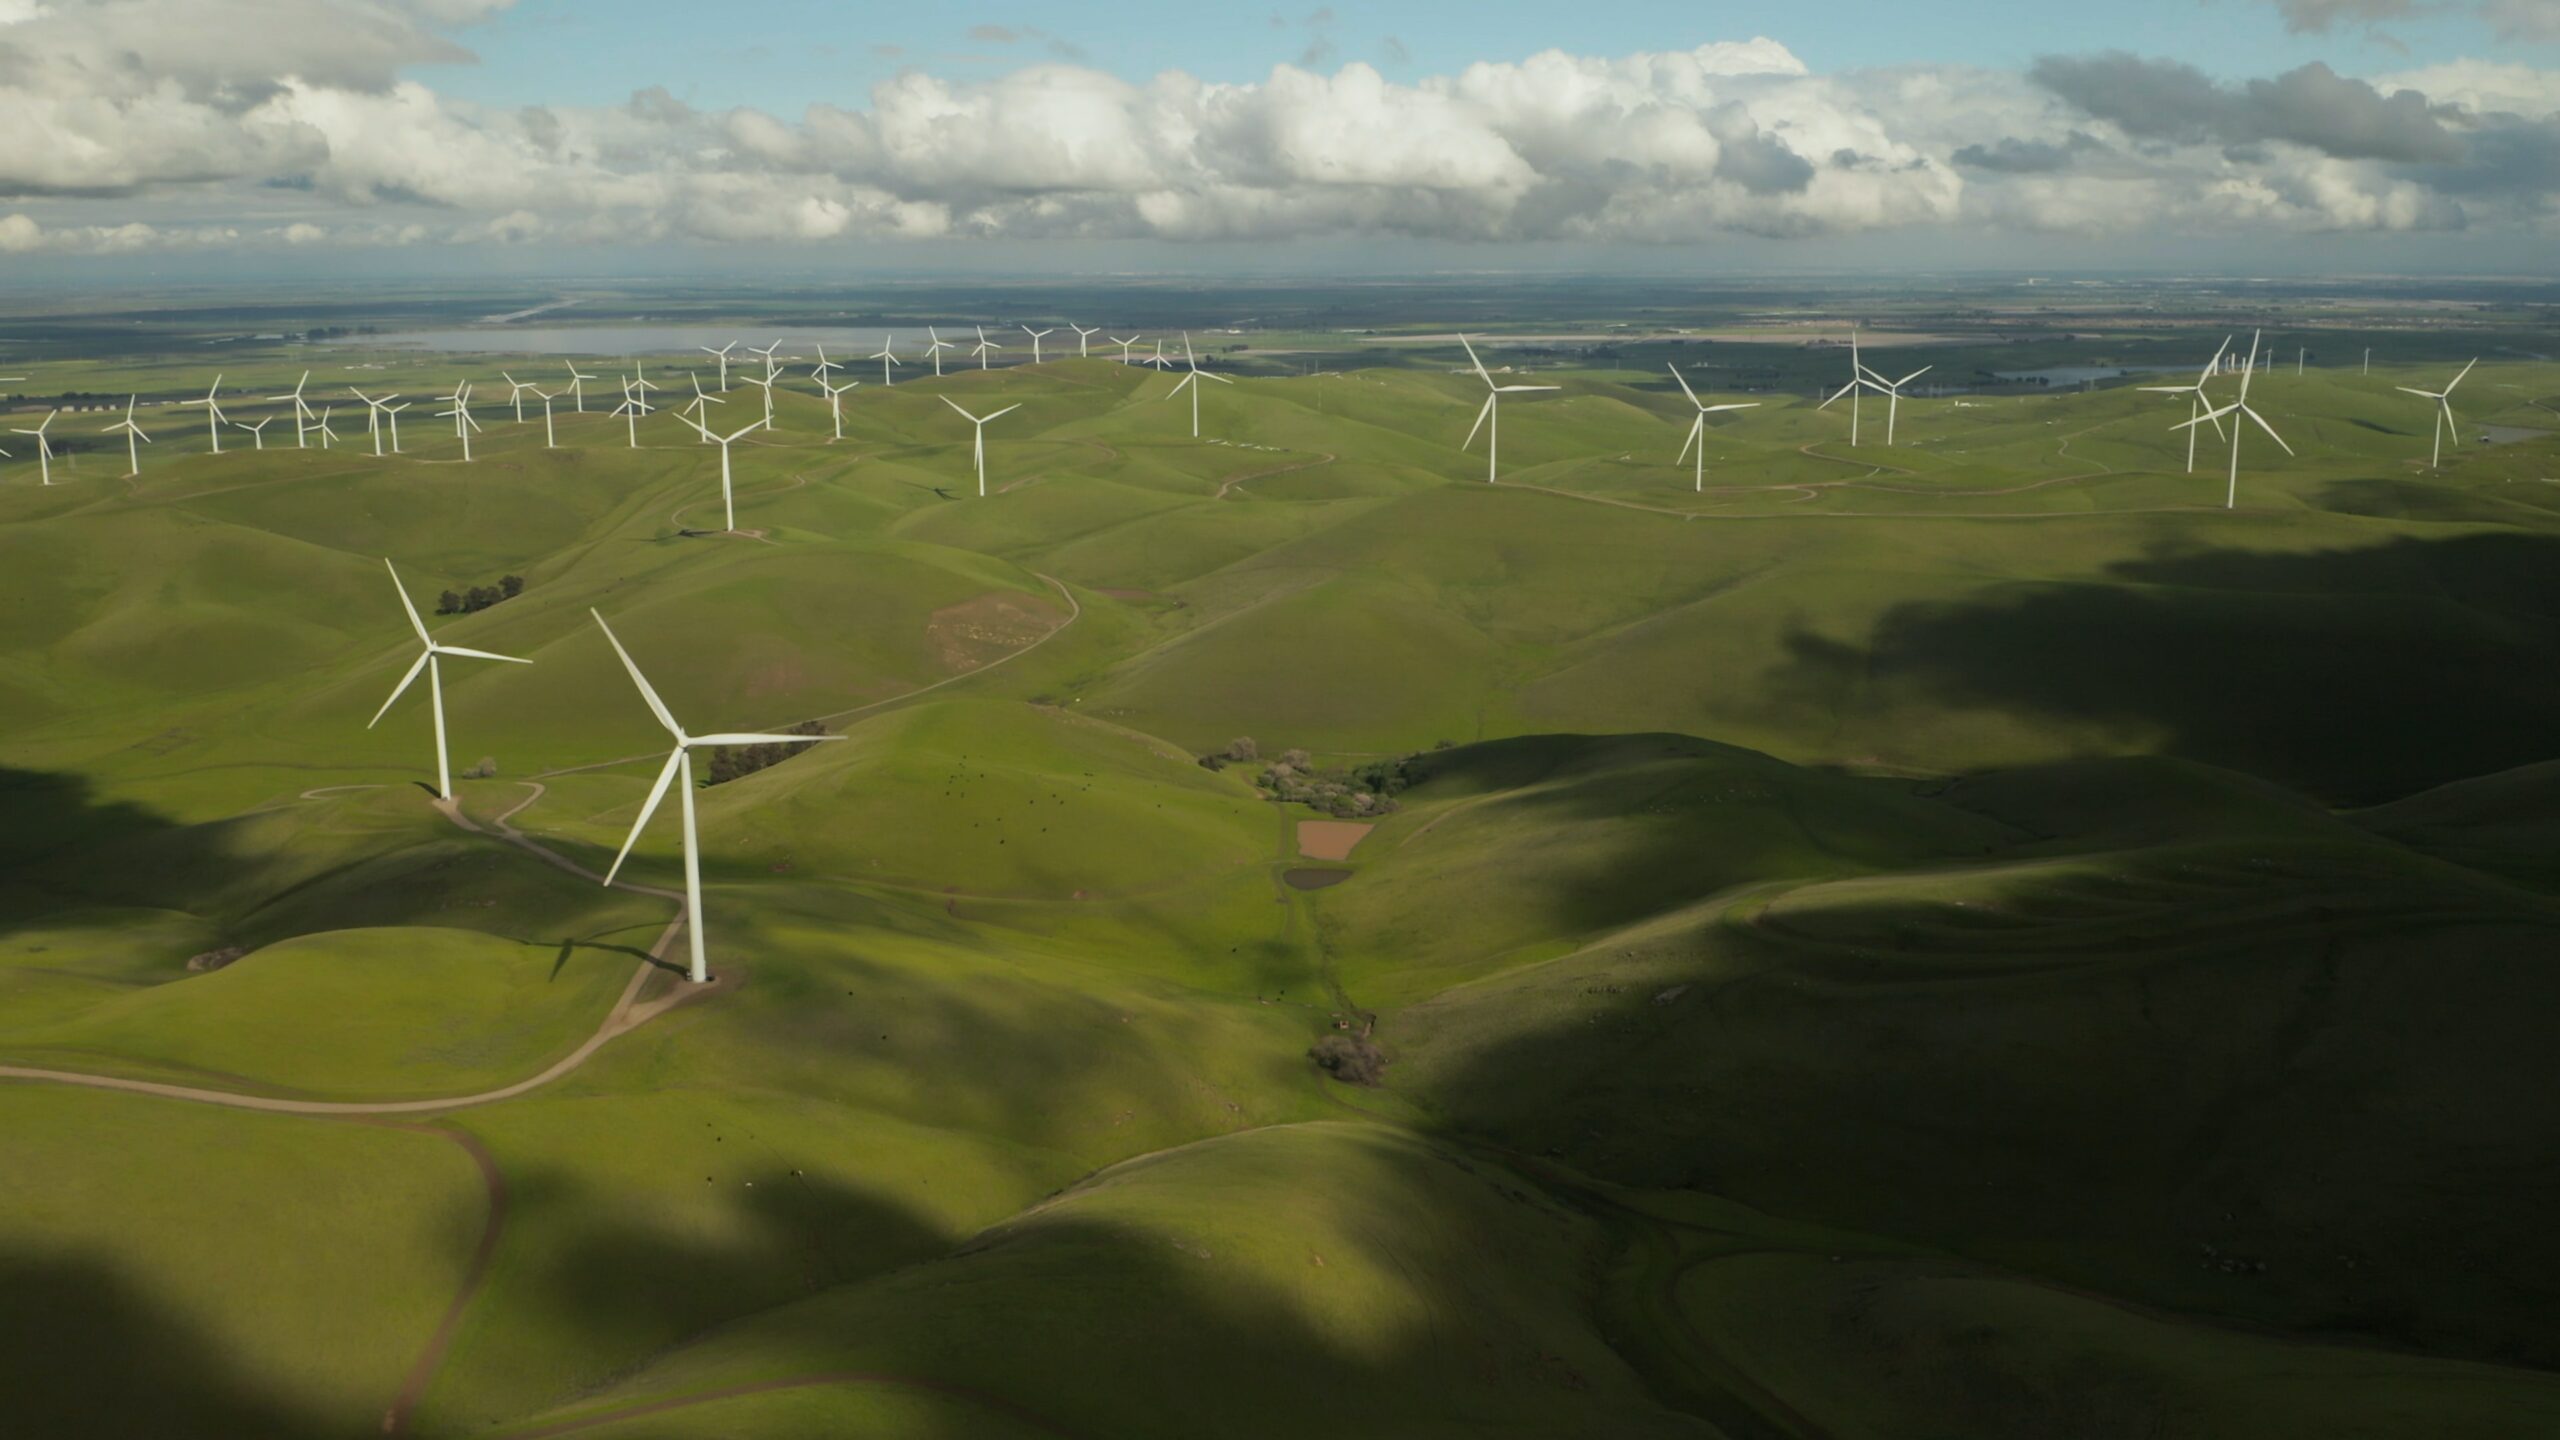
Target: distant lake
[684, 339]
[2066, 375]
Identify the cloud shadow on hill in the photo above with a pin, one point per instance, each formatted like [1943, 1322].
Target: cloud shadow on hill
[2356, 676]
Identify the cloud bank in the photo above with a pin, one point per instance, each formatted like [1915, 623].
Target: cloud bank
[193, 123]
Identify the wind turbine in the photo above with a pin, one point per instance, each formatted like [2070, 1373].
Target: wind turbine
[1698, 427]
[1191, 382]
[373, 415]
[2240, 406]
[1035, 340]
[550, 437]
[701, 406]
[391, 413]
[979, 450]
[1492, 412]
[1083, 335]
[728, 505]
[435, 680]
[641, 385]
[1124, 345]
[680, 763]
[723, 354]
[327, 435]
[934, 349]
[764, 383]
[257, 432]
[629, 410]
[1860, 379]
[2444, 413]
[1158, 359]
[301, 410]
[577, 386]
[2197, 405]
[213, 416]
[134, 439]
[825, 367]
[463, 424]
[835, 402]
[1893, 393]
[515, 393]
[986, 348]
[44, 447]
[887, 358]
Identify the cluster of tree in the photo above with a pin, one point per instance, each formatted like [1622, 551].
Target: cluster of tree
[1351, 1059]
[736, 762]
[479, 597]
[1294, 779]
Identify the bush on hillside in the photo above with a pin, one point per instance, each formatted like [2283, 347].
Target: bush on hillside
[1352, 1059]
[736, 762]
[479, 597]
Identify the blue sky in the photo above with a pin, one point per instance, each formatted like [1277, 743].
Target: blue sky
[780, 54]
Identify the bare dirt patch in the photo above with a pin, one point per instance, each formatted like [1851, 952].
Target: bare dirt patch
[1305, 878]
[1330, 839]
[976, 633]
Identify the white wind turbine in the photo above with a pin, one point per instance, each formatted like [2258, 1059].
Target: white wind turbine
[257, 432]
[986, 348]
[44, 447]
[427, 659]
[460, 414]
[327, 435]
[978, 452]
[934, 348]
[641, 385]
[825, 367]
[1158, 360]
[629, 410]
[373, 415]
[1860, 379]
[764, 383]
[391, 414]
[887, 357]
[2197, 403]
[680, 764]
[550, 437]
[515, 393]
[134, 439]
[577, 386]
[1893, 396]
[1124, 345]
[723, 354]
[1698, 427]
[213, 416]
[835, 402]
[1083, 335]
[1035, 340]
[2444, 413]
[301, 409]
[1492, 412]
[2240, 406]
[700, 407]
[1191, 382]
[728, 503]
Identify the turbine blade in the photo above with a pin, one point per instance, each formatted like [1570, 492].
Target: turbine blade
[743, 739]
[402, 688]
[1009, 409]
[1684, 383]
[954, 404]
[657, 706]
[479, 654]
[1479, 425]
[2458, 378]
[657, 793]
[1697, 433]
[414, 622]
[1472, 360]
[2263, 425]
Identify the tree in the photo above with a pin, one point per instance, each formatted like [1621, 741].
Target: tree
[448, 603]
[513, 585]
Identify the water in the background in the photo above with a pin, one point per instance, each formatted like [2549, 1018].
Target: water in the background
[801, 340]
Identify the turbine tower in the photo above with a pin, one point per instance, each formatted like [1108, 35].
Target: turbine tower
[1492, 413]
[134, 439]
[460, 414]
[978, 451]
[1861, 379]
[723, 355]
[1083, 335]
[257, 432]
[427, 659]
[2197, 403]
[550, 437]
[213, 416]
[887, 358]
[835, 403]
[1035, 340]
[1191, 382]
[577, 386]
[1698, 427]
[728, 504]
[373, 413]
[629, 410]
[680, 763]
[301, 410]
[44, 447]
[986, 348]
[935, 349]
[1124, 345]
[2240, 406]
[515, 393]
[2444, 413]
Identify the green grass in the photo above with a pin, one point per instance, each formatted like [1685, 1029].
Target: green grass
[1985, 859]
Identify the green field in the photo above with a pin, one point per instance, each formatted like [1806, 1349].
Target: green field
[1965, 938]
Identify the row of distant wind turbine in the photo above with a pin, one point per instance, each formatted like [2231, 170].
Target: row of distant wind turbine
[433, 652]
